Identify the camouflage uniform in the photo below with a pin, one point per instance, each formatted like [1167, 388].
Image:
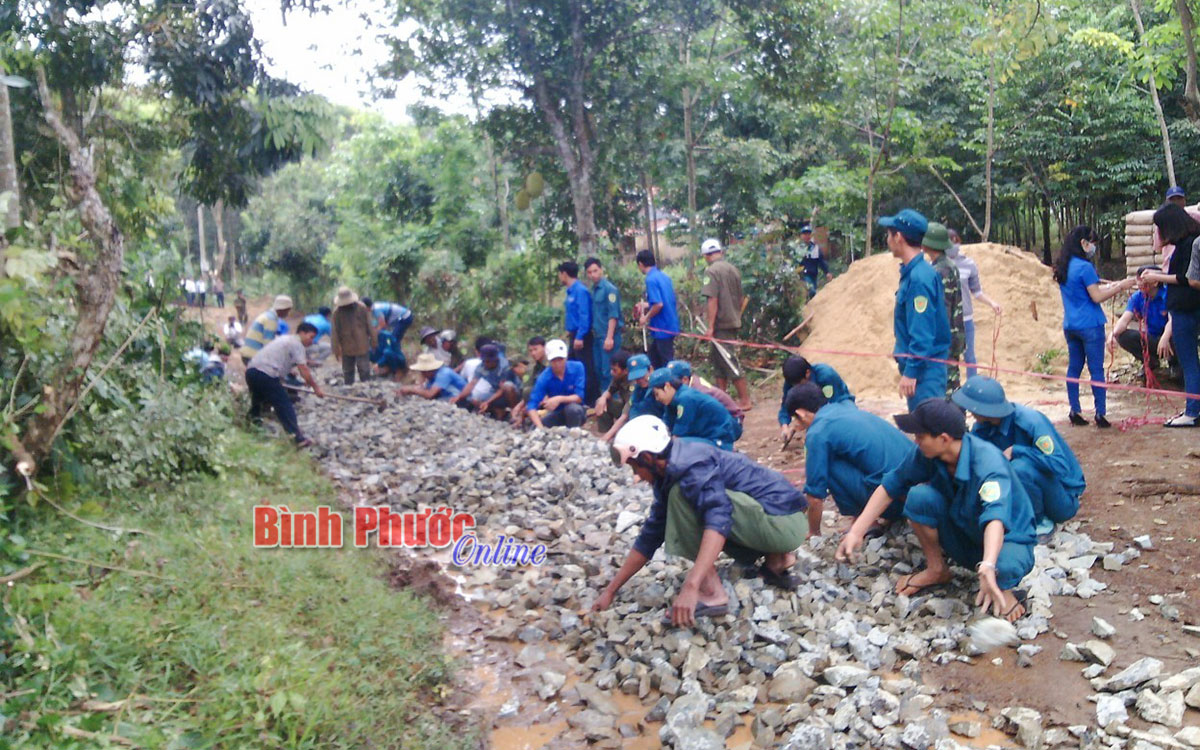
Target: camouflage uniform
[954, 309]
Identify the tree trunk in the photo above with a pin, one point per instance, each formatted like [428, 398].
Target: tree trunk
[9, 182]
[1046, 257]
[689, 143]
[96, 283]
[991, 148]
[200, 238]
[1158, 110]
[648, 214]
[218, 214]
[1191, 94]
[877, 158]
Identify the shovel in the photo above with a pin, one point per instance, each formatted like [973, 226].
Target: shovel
[377, 402]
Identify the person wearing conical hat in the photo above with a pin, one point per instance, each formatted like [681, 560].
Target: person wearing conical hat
[353, 335]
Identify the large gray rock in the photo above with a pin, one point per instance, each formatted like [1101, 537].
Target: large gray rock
[1097, 652]
[593, 724]
[1141, 671]
[790, 684]
[1165, 709]
[1027, 724]
[1181, 681]
[845, 675]
[1110, 709]
[1193, 696]
[698, 739]
[809, 736]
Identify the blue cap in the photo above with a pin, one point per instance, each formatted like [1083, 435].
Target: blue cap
[909, 223]
[983, 396]
[639, 365]
[680, 368]
[662, 376]
[806, 229]
[1175, 191]
[934, 416]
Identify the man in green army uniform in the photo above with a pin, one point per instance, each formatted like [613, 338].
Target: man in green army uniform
[614, 401]
[937, 239]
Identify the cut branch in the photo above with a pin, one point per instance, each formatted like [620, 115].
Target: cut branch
[970, 218]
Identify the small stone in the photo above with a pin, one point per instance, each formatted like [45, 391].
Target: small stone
[1110, 709]
[626, 519]
[530, 655]
[1193, 696]
[1155, 598]
[1097, 652]
[1093, 671]
[510, 708]
[1169, 611]
[916, 737]
[1143, 541]
[1189, 736]
[593, 724]
[845, 675]
[1113, 562]
[1165, 709]
[698, 739]
[790, 684]
[969, 729]
[597, 699]
[1181, 681]
[659, 712]
[552, 682]
[1102, 629]
[1027, 723]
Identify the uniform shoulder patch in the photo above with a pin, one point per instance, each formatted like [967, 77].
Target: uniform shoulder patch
[707, 280]
[920, 303]
[1045, 444]
[827, 391]
[989, 491]
[678, 412]
[612, 297]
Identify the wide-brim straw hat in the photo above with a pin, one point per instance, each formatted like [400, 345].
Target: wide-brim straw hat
[345, 296]
[426, 363]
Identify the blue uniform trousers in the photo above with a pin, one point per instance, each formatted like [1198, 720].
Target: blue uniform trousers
[930, 384]
[1050, 499]
[851, 491]
[928, 507]
[602, 360]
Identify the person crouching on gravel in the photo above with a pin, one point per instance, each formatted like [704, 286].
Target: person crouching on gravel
[707, 500]
[963, 501]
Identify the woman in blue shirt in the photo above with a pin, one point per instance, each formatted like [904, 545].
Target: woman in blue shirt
[1083, 318]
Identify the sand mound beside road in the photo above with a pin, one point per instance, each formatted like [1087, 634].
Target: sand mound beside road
[854, 313]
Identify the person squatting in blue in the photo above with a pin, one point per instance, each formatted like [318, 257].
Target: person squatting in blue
[965, 501]
[692, 415]
[1041, 459]
[920, 321]
[797, 370]
[606, 322]
[559, 390]
[847, 451]
[707, 501]
[683, 371]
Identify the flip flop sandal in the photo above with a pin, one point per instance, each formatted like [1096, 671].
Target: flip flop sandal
[702, 610]
[1022, 598]
[784, 581]
[929, 587]
[876, 531]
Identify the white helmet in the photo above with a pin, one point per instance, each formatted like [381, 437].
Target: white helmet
[711, 245]
[644, 434]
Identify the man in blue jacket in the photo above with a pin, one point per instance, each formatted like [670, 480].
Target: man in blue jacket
[606, 322]
[963, 501]
[920, 321]
[559, 390]
[797, 370]
[707, 500]
[658, 310]
[1040, 457]
[692, 415]
[846, 453]
[578, 305]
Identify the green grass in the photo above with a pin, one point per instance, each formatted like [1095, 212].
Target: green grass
[231, 646]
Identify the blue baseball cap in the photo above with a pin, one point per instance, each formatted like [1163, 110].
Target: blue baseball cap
[983, 396]
[661, 377]
[909, 223]
[806, 229]
[1175, 191]
[639, 365]
[680, 368]
[934, 416]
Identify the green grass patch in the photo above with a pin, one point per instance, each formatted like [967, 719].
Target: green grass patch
[221, 645]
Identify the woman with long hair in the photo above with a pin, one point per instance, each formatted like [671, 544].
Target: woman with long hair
[1182, 278]
[1083, 318]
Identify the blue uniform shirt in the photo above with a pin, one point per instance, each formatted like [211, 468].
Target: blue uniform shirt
[642, 401]
[660, 290]
[920, 322]
[703, 474]
[982, 489]
[697, 415]
[831, 384]
[606, 306]
[843, 432]
[1156, 315]
[389, 312]
[813, 260]
[450, 382]
[1031, 436]
[570, 384]
[578, 303]
[1079, 311]
[321, 323]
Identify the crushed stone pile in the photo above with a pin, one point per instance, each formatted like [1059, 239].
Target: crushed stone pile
[854, 313]
[838, 664]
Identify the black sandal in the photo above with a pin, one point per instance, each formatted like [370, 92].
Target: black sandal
[784, 580]
[1022, 598]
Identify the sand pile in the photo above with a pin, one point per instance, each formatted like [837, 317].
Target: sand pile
[854, 313]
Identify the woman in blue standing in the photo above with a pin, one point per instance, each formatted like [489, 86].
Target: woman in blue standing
[1083, 318]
